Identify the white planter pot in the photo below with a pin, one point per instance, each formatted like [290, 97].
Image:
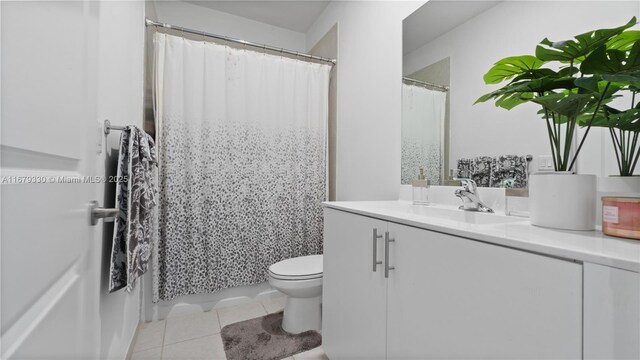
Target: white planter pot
[619, 184]
[563, 200]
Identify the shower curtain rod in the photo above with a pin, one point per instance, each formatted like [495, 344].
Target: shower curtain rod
[427, 85]
[149, 22]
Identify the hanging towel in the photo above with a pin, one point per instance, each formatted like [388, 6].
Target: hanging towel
[136, 199]
[509, 167]
[477, 169]
[489, 171]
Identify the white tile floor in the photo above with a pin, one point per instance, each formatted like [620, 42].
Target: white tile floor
[197, 336]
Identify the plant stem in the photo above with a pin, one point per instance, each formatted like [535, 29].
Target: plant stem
[595, 112]
[635, 150]
[552, 137]
[571, 126]
[556, 124]
[616, 145]
[623, 150]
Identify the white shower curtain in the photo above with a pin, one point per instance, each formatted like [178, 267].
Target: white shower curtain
[242, 140]
[423, 112]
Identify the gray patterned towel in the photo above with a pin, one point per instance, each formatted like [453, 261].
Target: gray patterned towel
[509, 167]
[135, 197]
[489, 171]
[477, 169]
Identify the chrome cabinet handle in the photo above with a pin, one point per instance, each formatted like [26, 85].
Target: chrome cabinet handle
[387, 268]
[376, 262]
[96, 212]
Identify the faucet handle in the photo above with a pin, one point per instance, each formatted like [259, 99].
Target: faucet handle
[468, 184]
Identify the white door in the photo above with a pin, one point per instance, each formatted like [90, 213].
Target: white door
[353, 295]
[454, 298]
[49, 135]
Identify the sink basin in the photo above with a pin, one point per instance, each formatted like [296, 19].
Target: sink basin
[455, 214]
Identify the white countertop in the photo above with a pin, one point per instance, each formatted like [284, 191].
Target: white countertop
[587, 246]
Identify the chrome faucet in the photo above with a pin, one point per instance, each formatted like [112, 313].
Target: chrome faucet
[469, 196]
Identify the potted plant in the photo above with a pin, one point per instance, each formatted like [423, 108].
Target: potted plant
[569, 93]
[619, 64]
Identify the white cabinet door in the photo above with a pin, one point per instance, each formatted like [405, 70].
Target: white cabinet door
[455, 298]
[353, 295]
[611, 313]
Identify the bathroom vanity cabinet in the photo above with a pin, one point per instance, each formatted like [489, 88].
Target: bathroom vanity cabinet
[448, 296]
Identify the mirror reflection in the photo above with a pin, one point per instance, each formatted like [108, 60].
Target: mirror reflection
[425, 117]
[453, 44]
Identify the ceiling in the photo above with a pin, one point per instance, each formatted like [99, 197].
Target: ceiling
[293, 15]
[436, 18]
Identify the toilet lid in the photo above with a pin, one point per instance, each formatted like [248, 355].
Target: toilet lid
[303, 267]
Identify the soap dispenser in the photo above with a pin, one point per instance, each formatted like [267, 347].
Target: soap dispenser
[421, 189]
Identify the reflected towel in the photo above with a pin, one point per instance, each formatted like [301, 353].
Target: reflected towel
[489, 171]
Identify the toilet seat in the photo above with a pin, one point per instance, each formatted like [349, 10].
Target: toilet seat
[299, 268]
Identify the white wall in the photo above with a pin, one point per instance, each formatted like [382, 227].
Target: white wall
[368, 94]
[204, 19]
[121, 60]
[514, 28]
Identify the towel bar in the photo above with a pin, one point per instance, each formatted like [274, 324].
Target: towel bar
[96, 212]
[108, 127]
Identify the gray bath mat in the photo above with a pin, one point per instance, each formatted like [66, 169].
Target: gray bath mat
[263, 339]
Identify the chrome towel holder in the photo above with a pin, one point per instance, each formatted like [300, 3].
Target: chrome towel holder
[108, 127]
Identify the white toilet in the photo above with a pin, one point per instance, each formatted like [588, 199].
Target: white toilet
[300, 279]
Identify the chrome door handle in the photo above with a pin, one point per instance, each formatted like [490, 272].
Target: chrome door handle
[387, 268]
[96, 212]
[376, 262]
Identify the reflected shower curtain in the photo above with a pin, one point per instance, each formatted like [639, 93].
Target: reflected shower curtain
[242, 140]
[423, 112]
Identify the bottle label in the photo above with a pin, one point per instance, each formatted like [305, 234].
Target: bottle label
[610, 214]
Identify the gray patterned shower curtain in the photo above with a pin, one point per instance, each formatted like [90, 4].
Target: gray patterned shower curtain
[242, 142]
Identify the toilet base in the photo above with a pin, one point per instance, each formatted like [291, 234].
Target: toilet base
[301, 314]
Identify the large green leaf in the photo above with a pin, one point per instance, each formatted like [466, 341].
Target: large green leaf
[506, 99]
[626, 120]
[509, 101]
[576, 49]
[624, 40]
[588, 83]
[586, 118]
[565, 104]
[509, 67]
[538, 74]
[625, 65]
[516, 93]
[602, 87]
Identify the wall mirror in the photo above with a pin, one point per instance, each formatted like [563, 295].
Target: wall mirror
[448, 46]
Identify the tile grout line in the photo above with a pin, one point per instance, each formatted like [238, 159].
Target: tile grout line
[218, 319]
[218, 332]
[195, 338]
[164, 333]
[264, 307]
[153, 347]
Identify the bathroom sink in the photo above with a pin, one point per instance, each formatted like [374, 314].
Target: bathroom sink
[456, 214]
